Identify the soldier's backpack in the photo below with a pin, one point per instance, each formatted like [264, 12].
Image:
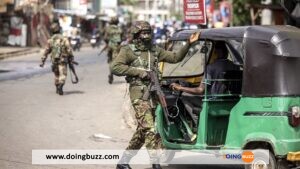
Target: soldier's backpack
[56, 46]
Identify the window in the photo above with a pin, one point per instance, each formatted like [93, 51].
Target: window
[236, 50]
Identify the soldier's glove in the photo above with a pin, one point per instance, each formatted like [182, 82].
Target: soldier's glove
[194, 37]
[145, 76]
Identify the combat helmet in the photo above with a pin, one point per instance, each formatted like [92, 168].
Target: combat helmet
[55, 28]
[114, 20]
[139, 26]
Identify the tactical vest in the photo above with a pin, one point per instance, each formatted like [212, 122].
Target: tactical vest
[142, 63]
[58, 48]
[144, 60]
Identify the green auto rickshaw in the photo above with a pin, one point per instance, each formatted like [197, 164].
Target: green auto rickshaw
[260, 107]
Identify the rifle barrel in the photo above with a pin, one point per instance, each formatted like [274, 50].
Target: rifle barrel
[159, 93]
[75, 63]
[166, 116]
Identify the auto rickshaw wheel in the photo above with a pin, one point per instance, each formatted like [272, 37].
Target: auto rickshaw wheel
[259, 161]
[167, 155]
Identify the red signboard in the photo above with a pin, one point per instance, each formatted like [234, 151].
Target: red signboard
[194, 11]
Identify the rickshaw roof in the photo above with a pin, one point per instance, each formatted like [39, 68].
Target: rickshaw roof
[256, 32]
[214, 33]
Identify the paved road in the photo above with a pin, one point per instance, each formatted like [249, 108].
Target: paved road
[32, 116]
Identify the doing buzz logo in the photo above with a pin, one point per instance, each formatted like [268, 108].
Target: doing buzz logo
[245, 156]
[248, 156]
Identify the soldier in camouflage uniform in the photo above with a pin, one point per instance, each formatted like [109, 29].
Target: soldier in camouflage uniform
[134, 61]
[61, 53]
[113, 38]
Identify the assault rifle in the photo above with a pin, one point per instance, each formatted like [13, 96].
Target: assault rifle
[155, 88]
[103, 49]
[72, 68]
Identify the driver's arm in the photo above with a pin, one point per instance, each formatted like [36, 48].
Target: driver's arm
[192, 90]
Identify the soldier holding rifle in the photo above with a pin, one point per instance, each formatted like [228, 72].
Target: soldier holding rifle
[61, 55]
[135, 61]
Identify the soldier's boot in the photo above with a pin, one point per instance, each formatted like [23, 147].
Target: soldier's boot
[156, 166]
[123, 163]
[123, 166]
[155, 163]
[57, 90]
[110, 79]
[60, 89]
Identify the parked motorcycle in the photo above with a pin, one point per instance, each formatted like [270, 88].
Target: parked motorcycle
[95, 42]
[95, 38]
[75, 43]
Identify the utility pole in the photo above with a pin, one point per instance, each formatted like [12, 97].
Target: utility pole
[266, 14]
[147, 9]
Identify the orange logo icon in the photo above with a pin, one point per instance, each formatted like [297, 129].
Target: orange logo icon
[247, 156]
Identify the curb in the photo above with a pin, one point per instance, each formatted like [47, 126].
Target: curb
[18, 53]
[27, 51]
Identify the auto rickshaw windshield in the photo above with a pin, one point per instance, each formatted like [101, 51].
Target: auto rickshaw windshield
[192, 64]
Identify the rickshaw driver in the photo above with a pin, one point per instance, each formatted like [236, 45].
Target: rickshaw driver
[214, 71]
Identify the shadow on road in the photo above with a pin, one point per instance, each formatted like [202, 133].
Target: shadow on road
[4, 71]
[73, 92]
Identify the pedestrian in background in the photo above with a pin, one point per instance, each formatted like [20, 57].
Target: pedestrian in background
[61, 54]
[134, 61]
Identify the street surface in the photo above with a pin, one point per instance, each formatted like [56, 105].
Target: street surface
[33, 116]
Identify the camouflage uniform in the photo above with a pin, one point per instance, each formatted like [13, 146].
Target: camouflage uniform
[113, 38]
[133, 61]
[61, 51]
